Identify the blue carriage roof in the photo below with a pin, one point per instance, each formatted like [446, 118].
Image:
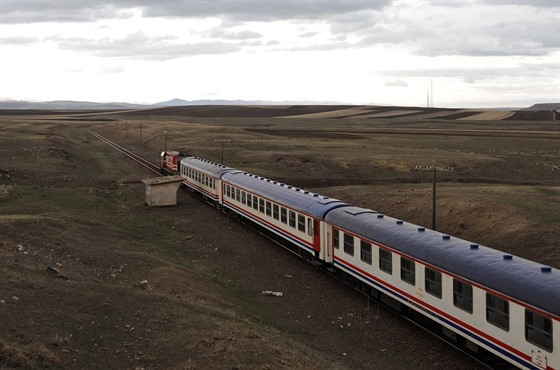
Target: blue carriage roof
[516, 277]
[205, 166]
[295, 198]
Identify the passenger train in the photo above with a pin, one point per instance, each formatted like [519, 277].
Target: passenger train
[489, 303]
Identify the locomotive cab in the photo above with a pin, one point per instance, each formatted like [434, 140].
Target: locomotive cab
[170, 162]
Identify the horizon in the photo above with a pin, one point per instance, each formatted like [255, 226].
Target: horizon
[246, 102]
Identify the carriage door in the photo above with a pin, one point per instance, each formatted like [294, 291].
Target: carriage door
[316, 235]
[328, 244]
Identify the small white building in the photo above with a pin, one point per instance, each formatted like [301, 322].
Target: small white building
[162, 191]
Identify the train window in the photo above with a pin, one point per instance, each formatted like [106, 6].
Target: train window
[538, 330]
[227, 191]
[261, 205]
[309, 226]
[292, 219]
[408, 270]
[385, 261]
[249, 200]
[237, 195]
[433, 282]
[243, 197]
[283, 215]
[462, 296]
[349, 244]
[301, 223]
[336, 238]
[497, 311]
[365, 252]
[276, 211]
[268, 208]
[255, 202]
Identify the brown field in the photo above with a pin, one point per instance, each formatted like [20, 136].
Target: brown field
[91, 278]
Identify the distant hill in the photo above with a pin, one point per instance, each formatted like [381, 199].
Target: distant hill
[66, 105]
[544, 106]
[180, 102]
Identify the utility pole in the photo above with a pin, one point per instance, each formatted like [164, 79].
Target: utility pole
[434, 169]
[222, 141]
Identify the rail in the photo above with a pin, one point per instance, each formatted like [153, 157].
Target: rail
[135, 157]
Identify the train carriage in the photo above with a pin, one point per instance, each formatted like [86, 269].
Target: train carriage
[204, 177]
[291, 213]
[504, 304]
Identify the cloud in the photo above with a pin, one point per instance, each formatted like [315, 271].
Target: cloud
[29, 11]
[472, 75]
[140, 46]
[221, 33]
[18, 40]
[396, 83]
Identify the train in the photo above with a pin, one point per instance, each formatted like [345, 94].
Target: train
[500, 308]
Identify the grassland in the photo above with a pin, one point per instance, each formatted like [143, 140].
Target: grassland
[180, 287]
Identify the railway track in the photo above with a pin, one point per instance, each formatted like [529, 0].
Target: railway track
[489, 363]
[135, 157]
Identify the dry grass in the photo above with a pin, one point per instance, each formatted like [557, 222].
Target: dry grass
[488, 116]
[34, 356]
[201, 306]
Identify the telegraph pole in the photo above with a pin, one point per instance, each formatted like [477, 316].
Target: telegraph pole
[222, 141]
[434, 169]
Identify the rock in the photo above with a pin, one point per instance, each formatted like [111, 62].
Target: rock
[54, 272]
[15, 298]
[275, 294]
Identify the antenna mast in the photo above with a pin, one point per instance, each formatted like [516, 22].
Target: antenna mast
[432, 93]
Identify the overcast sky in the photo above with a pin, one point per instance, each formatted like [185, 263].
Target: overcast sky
[476, 53]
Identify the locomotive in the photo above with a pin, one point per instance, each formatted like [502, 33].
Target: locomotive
[487, 302]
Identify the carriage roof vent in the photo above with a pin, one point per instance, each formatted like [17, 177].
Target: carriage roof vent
[446, 237]
[298, 189]
[474, 246]
[421, 229]
[546, 269]
[306, 191]
[380, 216]
[508, 257]
[400, 222]
[315, 195]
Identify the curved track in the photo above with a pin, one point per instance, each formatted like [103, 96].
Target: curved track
[135, 157]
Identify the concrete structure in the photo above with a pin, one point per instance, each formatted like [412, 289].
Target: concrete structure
[162, 191]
